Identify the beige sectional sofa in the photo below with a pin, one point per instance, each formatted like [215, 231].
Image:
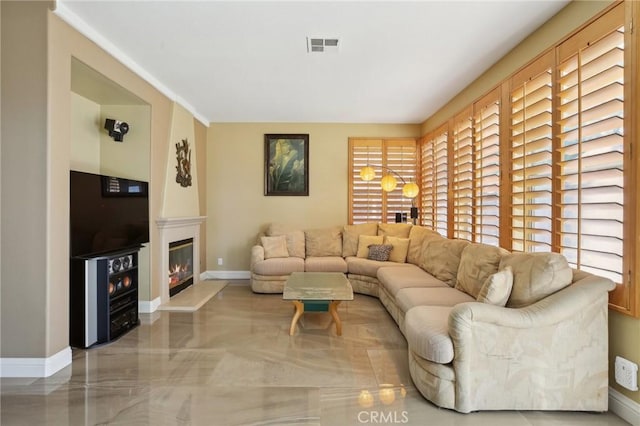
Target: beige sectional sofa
[486, 329]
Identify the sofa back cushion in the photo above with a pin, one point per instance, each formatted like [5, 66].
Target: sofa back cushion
[400, 249]
[400, 230]
[323, 242]
[350, 234]
[536, 276]
[419, 235]
[364, 241]
[477, 263]
[441, 258]
[295, 238]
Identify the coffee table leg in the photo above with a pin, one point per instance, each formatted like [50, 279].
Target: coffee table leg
[296, 316]
[333, 310]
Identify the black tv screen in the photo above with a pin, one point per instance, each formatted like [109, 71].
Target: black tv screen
[107, 214]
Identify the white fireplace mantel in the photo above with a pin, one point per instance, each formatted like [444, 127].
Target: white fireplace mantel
[175, 229]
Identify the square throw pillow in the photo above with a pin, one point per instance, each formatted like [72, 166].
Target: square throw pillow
[275, 246]
[477, 263]
[350, 234]
[295, 238]
[379, 252]
[497, 288]
[364, 241]
[400, 249]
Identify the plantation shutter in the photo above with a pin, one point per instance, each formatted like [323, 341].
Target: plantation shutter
[462, 177]
[531, 157]
[368, 202]
[402, 159]
[365, 204]
[435, 181]
[591, 147]
[486, 169]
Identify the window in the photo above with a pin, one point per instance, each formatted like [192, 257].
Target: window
[486, 169]
[435, 181]
[531, 158]
[591, 147]
[462, 147]
[367, 201]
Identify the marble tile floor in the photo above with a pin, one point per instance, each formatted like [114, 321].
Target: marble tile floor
[232, 362]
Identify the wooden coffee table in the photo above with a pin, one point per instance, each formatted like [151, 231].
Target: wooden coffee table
[317, 292]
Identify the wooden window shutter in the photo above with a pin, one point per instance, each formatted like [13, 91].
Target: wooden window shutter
[435, 181]
[530, 141]
[365, 197]
[462, 194]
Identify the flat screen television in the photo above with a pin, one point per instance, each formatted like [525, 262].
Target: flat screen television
[108, 214]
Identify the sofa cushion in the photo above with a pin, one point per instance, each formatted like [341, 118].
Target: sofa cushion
[477, 263]
[497, 288]
[350, 234]
[279, 266]
[404, 275]
[427, 333]
[418, 236]
[394, 229]
[295, 238]
[408, 298]
[364, 241]
[536, 276]
[274, 246]
[441, 258]
[379, 252]
[323, 242]
[400, 248]
[360, 266]
[325, 264]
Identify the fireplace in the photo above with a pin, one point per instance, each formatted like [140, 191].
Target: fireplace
[180, 265]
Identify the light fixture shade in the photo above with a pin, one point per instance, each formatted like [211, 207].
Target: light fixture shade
[410, 190]
[367, 173]
[388, 183]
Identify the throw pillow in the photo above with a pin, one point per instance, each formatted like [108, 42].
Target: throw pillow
[441, 258]
[323, 242]
[536, 276]
[477, 263]
[400, 249]
[295, 238]
[379, 252]
[364, 241]
[350, 234]
[274, 246]
[497, 288]
[394, 229]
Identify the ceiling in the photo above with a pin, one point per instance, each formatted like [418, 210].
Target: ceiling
[237, 61]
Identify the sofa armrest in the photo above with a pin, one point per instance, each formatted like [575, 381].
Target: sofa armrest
[555, 350]
[257, 255]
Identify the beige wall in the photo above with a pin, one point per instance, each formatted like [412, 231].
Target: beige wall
[624, 331]
[180, 201]
[85, 139]
[129, 158]
[236, 206]
[200, 132]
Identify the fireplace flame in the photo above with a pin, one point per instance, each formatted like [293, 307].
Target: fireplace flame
[178, 272]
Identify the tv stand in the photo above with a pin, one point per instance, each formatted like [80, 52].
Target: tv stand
[103, 297]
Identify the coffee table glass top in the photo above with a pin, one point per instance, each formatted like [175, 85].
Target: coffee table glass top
[317, 286]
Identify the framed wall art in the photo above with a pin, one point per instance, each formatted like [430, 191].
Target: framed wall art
[286, 164]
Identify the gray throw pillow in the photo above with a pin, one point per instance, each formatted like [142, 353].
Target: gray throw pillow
[379, 252]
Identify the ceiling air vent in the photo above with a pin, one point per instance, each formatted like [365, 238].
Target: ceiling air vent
[322, 45]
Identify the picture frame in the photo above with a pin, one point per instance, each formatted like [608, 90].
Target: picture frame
[286, 164]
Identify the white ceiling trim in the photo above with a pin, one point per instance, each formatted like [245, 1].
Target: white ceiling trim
[83, 28]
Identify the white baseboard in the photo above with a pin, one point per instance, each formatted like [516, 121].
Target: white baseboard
[148, 307]
[623, 407]
[35, 367]
[225, 275]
